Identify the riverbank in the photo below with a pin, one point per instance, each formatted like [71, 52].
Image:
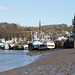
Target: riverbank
[57, 62]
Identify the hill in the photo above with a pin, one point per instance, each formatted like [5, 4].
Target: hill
[7, 29]
[56, 29]
[6, 25]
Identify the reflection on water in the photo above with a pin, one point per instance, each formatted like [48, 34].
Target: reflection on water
[10, 59]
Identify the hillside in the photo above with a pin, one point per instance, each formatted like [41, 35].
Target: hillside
[6, 25]
[7, 29]
[56, 29]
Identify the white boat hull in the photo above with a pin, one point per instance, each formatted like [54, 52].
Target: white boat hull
[25, 47]
[47, 45]
[6, 47]
[50, 47]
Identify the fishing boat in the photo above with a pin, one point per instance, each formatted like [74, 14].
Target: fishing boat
[18, 47]
[12, 46]
[48, 44]
[6, 47]
[1, 45]
[36, 44]
[25, 46]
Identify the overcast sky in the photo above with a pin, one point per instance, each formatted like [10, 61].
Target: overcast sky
[29, 12]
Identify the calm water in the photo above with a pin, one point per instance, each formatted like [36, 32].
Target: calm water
[10, 59]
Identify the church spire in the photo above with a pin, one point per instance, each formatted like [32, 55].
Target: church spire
[39, 25]
[40, 30]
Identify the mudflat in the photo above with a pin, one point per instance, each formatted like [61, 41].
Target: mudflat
[57, 62]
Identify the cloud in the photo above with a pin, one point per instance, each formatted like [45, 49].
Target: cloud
[3, 8]
[16, 8]
[6, 9]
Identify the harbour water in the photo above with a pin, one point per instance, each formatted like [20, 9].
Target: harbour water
[10, 59]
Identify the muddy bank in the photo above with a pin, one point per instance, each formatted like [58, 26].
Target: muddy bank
[39, 52]
[58, 62]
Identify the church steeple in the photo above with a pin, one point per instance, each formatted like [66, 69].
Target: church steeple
[40, 30]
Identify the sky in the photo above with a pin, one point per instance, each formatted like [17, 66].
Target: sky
[28, 12]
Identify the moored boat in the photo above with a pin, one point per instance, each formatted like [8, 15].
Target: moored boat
[1, 45]
[18, 47]
[12, 46]
[48, 44]
[6, 47]
[36, 44]
[25, 47]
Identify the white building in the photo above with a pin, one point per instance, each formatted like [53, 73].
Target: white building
[65, 33]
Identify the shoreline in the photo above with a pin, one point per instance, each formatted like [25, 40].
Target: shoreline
[58, 61]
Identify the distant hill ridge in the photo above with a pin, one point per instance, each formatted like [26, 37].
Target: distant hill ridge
[54, 29]
[7, 25]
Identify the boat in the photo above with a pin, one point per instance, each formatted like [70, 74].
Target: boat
[12, 46]
[25, 47]
[36, 44]
[48, 44]
[69, 43]
[6, 47]
[18, 47]
[1, 45]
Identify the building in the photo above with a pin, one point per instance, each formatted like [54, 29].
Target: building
[65, 33]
